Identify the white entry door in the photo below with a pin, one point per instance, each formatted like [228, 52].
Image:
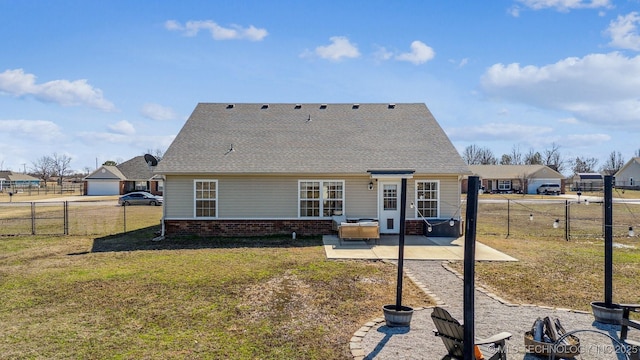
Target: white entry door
[389, 207]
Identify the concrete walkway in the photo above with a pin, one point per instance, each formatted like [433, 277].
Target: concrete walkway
[492, 315]
[416, 248]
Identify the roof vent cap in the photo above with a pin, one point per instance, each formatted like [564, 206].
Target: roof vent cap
[231, 106]
[298, 106]
[323, 106]
[265, 106]
[356, 106]
[392, 106]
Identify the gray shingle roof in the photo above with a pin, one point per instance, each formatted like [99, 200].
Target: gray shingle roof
[514, 171]
[136, 169]
[310, 138]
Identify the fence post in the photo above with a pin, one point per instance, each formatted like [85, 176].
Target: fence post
[508, 217]
[33, 218]
[566, 220]
[66, 217]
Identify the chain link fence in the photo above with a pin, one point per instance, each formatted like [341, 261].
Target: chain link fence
[561, 218]
[75, 218]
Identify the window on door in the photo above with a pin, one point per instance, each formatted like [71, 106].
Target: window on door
[390, 196]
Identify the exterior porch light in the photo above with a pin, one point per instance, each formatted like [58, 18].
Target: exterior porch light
[451, 222]
[556, 224]
[631, 233]
[370, 185]
[429, 228]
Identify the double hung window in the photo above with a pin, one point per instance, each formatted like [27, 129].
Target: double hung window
[427, 198]
[320, 198]
[206, 198]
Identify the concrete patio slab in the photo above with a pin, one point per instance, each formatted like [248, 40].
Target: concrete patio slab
[416, 248]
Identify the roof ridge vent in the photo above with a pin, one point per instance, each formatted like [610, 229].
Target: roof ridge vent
[323, 106]
[231, 106]
[355, 106]
[392, 106]
[265, 106]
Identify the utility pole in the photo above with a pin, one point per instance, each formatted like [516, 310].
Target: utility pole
[24, 168]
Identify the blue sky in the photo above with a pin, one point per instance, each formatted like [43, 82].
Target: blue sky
[110, 80]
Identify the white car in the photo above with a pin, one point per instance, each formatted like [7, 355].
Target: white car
[549, 189]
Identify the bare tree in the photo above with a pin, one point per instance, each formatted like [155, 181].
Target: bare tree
[506, 160]
[553, 159]
[533, 158]
[43, 168]
[474, 155]
[637, 153]
[61, 166]
[158, 153]
[584, 165]
[614, 162]
[516, 155]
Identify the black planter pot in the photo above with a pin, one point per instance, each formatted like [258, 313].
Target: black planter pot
[397, 317]
[611, 314]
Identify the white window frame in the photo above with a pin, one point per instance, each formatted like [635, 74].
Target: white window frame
[214, 199]
[418, 200]
[141, 185]
[504, 184]
[321, 199]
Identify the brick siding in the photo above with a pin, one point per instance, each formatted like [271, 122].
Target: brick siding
[231, 228]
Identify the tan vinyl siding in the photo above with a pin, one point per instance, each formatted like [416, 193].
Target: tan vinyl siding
[276, 197]
[361, 202]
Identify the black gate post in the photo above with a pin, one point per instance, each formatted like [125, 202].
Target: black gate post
[608, 240]
[469, 268]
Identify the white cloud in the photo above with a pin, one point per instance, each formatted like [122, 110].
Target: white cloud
[34, 129]
[382, 54]
[585, 140]
[598, 88]
[497, 131]
[122, 127]
[566, 5]
[340, 48]
[234, 32]
[420, 53]
[624, 32]
[64, 92]
[157, 112]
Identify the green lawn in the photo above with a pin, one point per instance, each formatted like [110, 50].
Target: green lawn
[126, 297]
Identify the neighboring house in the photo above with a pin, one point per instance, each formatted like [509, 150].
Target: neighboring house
[17, 181]
[628, 177]
[132, 175]
[514, 178]
[587, 182]
[256, 169]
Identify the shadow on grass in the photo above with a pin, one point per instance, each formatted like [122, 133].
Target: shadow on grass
[143, 240]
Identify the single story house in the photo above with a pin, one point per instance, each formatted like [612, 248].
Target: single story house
[587, 182]
[15, 181]
[256, 169]
[514, 178]
[629, 175]
[132, 175]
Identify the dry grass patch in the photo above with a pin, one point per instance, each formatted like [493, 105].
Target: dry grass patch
[128, 297]
[554, 272]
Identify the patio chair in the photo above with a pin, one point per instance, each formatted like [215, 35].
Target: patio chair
[451, 331]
